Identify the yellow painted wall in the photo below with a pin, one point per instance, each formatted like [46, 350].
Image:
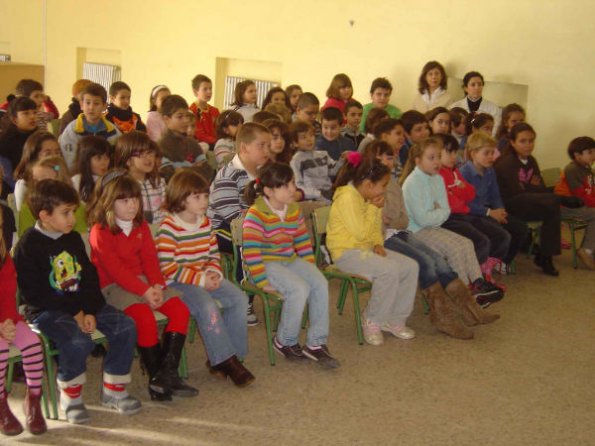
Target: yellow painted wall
[548, 45]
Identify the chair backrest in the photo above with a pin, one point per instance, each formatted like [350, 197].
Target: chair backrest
[319, 221]
[551, 176]
[12, 204]
[237, 228]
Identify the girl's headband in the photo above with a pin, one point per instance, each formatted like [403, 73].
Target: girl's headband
[158, 88]
[111, 176]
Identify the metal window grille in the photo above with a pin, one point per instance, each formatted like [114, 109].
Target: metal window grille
[262, 87]
[103, 74]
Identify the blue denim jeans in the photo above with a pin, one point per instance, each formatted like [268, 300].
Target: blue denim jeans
[300, 282]
[224, 335]
[74, 346]
[433, 267]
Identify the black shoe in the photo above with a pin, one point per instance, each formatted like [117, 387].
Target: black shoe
[173, 343]
[321, 356]
[486, 293]
[547, 266]
[292, 352]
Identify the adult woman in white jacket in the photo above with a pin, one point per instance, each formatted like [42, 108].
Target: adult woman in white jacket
[474, 102]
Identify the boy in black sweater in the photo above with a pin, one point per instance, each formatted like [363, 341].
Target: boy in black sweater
[60, 288]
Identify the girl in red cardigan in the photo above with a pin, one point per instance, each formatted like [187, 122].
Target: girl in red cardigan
[123, 251]
[490, 241]
[13, 330]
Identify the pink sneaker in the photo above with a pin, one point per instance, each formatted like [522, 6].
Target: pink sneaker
[399, 331]
[372, 333]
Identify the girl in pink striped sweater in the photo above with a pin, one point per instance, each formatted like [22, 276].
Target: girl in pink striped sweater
[189, 260]
[279, 258]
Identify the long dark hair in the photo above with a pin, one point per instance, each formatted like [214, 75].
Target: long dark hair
[514, 132]
[358, 168]
[271, 175]
[88, 147]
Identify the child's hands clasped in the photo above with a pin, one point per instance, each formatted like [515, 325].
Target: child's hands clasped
[499, 215]
[86, 322]
[8, 330]
[89, 323]
[379, 250]
[212, 280]
[378, 201]
[154, 296]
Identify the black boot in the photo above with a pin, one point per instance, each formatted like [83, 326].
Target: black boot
[547, 266]
[173, 343]
[151, 359]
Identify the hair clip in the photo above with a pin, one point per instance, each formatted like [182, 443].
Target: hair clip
[111, 176]
[56, 168]
[354, 158]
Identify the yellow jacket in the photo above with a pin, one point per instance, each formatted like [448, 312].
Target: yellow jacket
[353, 223]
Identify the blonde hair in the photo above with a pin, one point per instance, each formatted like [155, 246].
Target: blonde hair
[416, 151]
[477, 141]
[56, 163]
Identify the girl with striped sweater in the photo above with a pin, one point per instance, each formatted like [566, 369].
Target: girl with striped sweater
[189, 260]
[279, 258]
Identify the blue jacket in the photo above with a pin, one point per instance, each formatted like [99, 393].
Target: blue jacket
[425, 200]
[335, 148]
[487, 193]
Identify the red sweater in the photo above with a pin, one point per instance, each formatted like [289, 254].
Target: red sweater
[458, 197]
[121, 259]
[8, 291]
[205, 125]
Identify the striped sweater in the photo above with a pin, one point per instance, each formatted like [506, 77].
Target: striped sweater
[226, 200]
[186, 251]
[267, 238]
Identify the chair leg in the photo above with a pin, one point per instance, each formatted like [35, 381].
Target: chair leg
[343, 290]
[573, 245]
[183, 366]
[305, 318]
[356, 312]
[269, 331]
[425, 303]
[9, 373]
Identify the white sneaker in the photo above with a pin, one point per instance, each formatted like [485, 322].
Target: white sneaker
[251, 318]
[399, 331]
[372, 333]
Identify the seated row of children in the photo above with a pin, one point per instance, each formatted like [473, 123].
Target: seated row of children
[353, 233]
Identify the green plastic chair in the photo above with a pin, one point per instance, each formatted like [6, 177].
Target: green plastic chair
[353, 282]
[14, 357]
[271, 302]
[574, 225]
[50, 351]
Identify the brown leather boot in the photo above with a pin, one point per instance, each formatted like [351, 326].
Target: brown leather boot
[9, 425]
[215, 372]
[443, 315]
[34, 418]
[233, 368]
[470, 311]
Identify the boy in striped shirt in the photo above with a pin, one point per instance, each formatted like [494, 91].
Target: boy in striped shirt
[253, 143]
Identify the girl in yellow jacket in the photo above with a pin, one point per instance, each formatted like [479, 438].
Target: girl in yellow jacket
[355, 241]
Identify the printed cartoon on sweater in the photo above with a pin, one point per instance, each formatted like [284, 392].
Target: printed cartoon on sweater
[65, 274]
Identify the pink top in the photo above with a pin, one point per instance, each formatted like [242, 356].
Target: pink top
[155, 125]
